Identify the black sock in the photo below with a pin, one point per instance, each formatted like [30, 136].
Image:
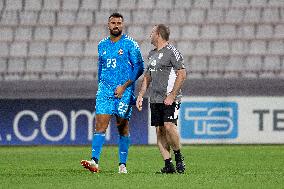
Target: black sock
[168, 162]
[95, 159]
[177, 154]
[122, 163]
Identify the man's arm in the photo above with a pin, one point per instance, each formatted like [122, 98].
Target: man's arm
[143, 88]
[181, 76]
[138, 68]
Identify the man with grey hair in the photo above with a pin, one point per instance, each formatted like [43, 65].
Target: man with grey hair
[166, 74]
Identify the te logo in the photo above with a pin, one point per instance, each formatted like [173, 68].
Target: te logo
[209, 120]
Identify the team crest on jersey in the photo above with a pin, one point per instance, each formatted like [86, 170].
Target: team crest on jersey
[104, 52]
[120, 52]
[160, 55]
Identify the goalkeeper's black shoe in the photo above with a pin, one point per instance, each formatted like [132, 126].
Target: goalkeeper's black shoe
[170, 169]
[180, 166]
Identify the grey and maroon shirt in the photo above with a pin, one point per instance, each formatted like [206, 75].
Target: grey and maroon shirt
[161, 67]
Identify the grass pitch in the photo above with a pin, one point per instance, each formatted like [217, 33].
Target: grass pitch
[224, 166]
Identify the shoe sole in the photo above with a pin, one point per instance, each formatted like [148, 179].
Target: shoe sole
[88, 166]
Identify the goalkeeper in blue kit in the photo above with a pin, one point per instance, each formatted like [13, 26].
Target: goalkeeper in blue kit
[120, 64]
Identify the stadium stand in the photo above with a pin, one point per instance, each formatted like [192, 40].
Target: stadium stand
[57, 39]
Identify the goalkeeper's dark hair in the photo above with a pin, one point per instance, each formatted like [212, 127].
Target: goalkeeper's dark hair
[115, 15]
[163, 31]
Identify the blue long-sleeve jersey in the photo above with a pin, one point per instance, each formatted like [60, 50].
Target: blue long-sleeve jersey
[119, 61]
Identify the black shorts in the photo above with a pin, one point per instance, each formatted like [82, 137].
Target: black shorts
[161, 113]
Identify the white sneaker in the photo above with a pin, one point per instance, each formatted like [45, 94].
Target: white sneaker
[122, 169]
[91, 165]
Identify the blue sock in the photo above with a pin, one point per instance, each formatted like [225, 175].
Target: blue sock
[124, 142]
[97, 145]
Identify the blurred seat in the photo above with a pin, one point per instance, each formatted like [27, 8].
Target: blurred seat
[66, 17]
[9, 18]
[61, 33]
[202, 4]
[276, 3]
[216, 15]
[109, 4]
[102, 17]
[271, 66]
[209, 31]
[16, 68]
[51, 4]
[276, 47]
[33, 5]
[196, 16]
[203, 48]
[159, 16]
[6, 34]
[78, 33]
[70, 68]
[162, 4]
[52, 68]
[142, 16]
[175, 33]
[18, 49]
[246, 31]
[91, 49]
[98, 33]
[227, 31]
[234, 15]
[240, 3]
[145, 4]
[90, 5]
[198, 66]
[34, 68]
[216, 66]
[185, 47]
[221, 3]
[47, 18]
[252, 15]
[270, 15]
[28, 17]
[234, 67]
[4, 49]
[136, 32]
[42, 34]
[221, 47]
[239, 47]
[23, 34]
[37, 49]
[88, 68]
[14, 5]
[177, 16]
[279, 31]
[190, 32]
[258, 3]
[74, 49]
[264, 31]
[257, 47]
[70, 5]
[3, 67]
[55, 49]
[183, 4]
[127, 4]
[253, 66]
[85, 18]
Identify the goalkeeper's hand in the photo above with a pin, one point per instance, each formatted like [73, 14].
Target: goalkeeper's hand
[139, 103]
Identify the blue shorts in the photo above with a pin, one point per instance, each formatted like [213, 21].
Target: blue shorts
[107, 103]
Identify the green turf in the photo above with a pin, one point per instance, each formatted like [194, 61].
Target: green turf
[222, 166]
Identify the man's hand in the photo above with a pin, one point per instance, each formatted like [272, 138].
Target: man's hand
[169, 99]
[139, 103]
[119, 91]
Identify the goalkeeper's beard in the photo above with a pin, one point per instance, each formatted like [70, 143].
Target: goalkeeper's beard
[116, 33]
